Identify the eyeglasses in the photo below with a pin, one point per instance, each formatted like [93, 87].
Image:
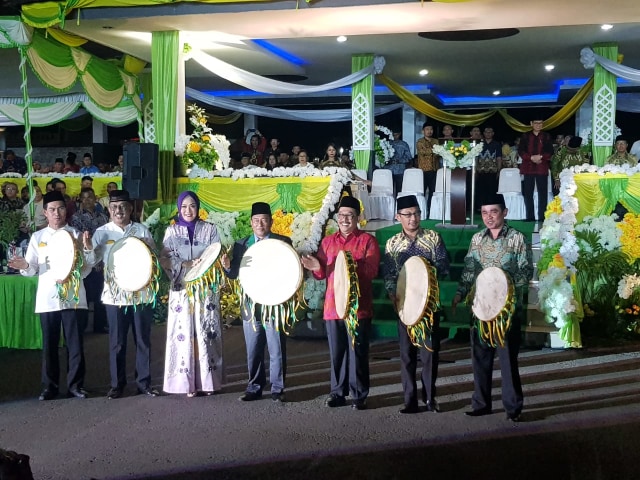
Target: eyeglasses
[409, 215]
[346, 216]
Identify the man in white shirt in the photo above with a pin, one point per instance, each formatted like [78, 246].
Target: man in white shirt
[124, 310]
[56, 311]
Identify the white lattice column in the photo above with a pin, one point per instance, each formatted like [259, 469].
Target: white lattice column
[604, 105]
[362, 104]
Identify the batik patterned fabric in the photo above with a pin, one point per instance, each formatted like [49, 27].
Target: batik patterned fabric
[427, 160]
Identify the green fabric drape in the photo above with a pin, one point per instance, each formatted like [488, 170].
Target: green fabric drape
[558, 118]
[597, 195]
[363, 87]
[613, 190]
[289, 196]
[603, 78]
[19, 325]
[164, 60]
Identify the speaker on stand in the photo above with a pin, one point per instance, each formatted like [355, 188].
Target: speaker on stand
[140, 173]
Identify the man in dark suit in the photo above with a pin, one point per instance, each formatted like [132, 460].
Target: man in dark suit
[257, 334]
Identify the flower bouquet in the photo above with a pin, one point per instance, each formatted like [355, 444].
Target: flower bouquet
[460, 155]
[202, 148]
[628, 305]
[382, 145]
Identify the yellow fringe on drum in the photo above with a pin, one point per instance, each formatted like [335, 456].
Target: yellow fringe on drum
[421, 331]
[145, 296]
[494, 332]
[71, 284]
[199, 289]
[353, 298]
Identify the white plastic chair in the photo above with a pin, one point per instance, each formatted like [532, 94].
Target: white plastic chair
[381, 199]
[360, 173]
[413, 184]
[437, 201]
[510, 186]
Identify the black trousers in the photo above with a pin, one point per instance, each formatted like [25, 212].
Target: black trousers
[482, 358]
[120, 319]
[529, 183]
[94, 284]
[408, 365]
[429, 183]
[51, 323]
[349, 364]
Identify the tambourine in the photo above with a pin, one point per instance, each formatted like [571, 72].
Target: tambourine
[418, 298]
[132, 271]
[271, 275]
[347, 291]
[493, 305]
[64, 263]
[206, 275]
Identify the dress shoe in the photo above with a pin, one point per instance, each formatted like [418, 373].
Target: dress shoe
[277, 397]
[514, 417]
[77, 392]
[410, 409]
[149, 392]
[114, 393]
[359, 405]
[250, 396]
[432, 406]
[48, 394]
[334, 400]
[478, 413]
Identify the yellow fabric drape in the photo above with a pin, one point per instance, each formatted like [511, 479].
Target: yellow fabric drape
[558, 118]
[228, 195]
[66, 38]
[133, 65]
[224, 119]
[590, 196]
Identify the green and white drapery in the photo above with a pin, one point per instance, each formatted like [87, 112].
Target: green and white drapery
[362, 113]
[604, 104]
[164, 58]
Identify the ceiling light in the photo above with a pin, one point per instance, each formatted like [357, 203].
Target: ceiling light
[496, 92]
[549, 67]
[423, 72]
[341, 39]
[606, 26]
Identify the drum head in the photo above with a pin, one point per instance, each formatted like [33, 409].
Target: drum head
[207, 259]
[341, 284]
[412, 290]
[270, 272]
[61, 254]
[492, 290]
[131, 262]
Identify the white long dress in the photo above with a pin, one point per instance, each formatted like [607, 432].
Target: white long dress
[193, 358]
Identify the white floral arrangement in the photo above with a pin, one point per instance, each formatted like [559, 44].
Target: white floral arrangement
[202, 148]
[61, 175]
[382, 145]
[224, 222]
[628, 285]
[458, 156]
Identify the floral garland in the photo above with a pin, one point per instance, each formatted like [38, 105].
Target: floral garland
[202, 148]
[382, 145]
[460, 155]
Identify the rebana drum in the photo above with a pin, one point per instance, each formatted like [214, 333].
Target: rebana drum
[64, 264]
[418, 298]
[271, 275]
[347, 291]
[493, 305]
[207, 274]
[132, 271]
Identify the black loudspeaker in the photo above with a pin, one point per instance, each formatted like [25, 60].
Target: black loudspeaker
[140, 172]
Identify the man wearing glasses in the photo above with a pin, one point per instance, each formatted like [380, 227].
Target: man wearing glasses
[411, 241]
[349, 364]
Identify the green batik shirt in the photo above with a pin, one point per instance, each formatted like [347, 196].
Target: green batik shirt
[510, 252]
[427, 244]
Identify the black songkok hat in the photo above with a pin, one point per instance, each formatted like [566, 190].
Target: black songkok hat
[54, 196]
[119, 196]
[260, 208]
[575, 142]
[407, 201]
[350, 202]
[495, 199]
[621, 138]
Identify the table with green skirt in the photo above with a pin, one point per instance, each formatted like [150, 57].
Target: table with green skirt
[19, 325]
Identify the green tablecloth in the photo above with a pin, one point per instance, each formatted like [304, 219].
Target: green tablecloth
[19, 326]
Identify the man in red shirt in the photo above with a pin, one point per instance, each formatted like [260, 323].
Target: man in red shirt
[349, 364]
[536, 150]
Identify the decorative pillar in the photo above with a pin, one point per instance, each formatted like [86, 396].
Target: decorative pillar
[362, 104]
[164, 60]
[604, 104]
[99, 131]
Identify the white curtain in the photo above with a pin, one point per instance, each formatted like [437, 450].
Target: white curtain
[329, 115]
[628, 102]
[265, 85]
[589, 58]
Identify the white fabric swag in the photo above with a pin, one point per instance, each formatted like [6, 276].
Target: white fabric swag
[258, 83]
[589, 58]
[328, 115]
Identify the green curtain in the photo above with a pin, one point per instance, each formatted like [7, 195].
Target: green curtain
[364, 87]
[598, 195]
[603, 78]
[164, 61]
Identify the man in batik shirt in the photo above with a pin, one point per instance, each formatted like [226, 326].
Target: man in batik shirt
[427, 160]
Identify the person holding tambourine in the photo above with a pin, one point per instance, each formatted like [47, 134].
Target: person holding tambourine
[413, 241]
[501, 246]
